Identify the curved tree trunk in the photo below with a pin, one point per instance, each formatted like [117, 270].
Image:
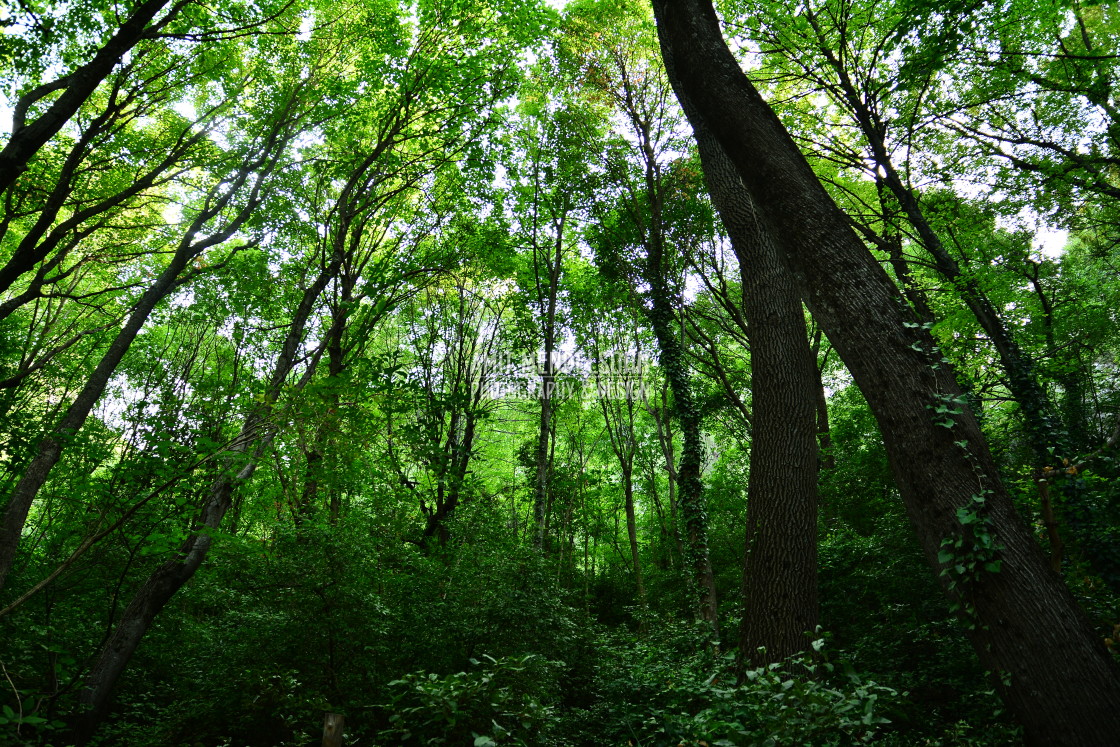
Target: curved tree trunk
[780, 572]
[1050, 668]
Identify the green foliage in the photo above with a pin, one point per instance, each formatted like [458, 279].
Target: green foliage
[458, 164]
[660, 691]
[499, 701]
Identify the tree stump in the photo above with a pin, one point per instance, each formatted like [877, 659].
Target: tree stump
[332, 729]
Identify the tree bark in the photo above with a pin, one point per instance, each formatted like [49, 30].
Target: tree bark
[1047, 663]
[780, 572]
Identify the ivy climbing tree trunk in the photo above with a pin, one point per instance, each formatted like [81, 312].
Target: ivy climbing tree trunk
[1050, 668]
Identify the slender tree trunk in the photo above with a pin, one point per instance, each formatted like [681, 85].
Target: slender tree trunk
[550, 262]
[665, 439]
[690, 486]
[168, 578]
[827, 459]
[1048, 664]
[541, 479]
[50, 449]
[154, 594]
[632, 533]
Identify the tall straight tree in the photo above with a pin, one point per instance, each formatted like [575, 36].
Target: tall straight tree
[1026, 627]
[546, 186]
[621, 67]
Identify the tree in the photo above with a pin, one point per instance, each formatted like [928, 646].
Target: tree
[210, 227]
[780, 572]
[621, 70]
[1061, 684]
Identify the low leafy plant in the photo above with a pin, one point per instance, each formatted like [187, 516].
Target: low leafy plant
[499, 701]
[800, 702]
[699, 700]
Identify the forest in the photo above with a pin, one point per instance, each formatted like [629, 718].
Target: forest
[601, 372]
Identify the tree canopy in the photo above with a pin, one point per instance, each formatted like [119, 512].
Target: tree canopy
[597, 372]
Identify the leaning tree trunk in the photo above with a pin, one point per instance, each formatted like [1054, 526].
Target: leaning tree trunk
[168, 578]
[1050, 668]
[780, 572]
[28, 138]
[50, 450]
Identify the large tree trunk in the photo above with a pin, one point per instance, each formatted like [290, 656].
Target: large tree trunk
[780, 572]
[1051, 669]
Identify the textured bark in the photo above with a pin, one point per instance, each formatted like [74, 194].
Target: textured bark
[27, 139]
[1053, 672]
[780, 572]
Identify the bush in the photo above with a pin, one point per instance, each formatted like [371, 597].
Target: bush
[657, 695]
[500, 701]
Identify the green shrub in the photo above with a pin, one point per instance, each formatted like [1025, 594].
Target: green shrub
[500, 701]
[657, 695]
